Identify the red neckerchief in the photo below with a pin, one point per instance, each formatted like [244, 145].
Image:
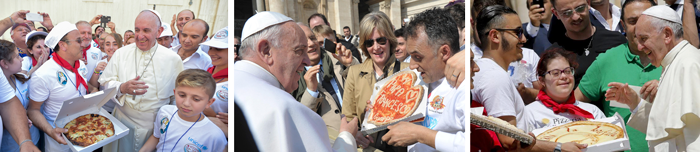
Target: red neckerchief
[34, 62]
[85, 52]
[97, 42]
[565, 107]
[63, 63]
[219, 75]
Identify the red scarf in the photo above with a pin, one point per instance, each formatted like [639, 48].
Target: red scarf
[85, 52]
[565, 107]
[63, 63]
[34, 62]
[219, 75]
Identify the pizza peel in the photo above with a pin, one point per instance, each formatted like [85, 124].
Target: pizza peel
[484, 122]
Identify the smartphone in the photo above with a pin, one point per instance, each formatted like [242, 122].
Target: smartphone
[328, 45]
[105, 19]
[538, 2]
[35, 17]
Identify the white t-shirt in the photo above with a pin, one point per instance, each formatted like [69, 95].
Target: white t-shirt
[529, 64]
[27, 63]
[221, 96]
[445, 114]
[198, 59]
[499, 97]
[94, 55]
[204, 136]
[6, 91]
[539, 116]
[52, 84]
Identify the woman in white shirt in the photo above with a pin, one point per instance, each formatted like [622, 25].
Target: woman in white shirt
[38, 52]
[11, 64]
[218, 51]
[112, 43]
[555, 102]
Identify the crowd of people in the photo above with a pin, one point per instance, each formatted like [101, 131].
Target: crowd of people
[157, 74]
[578, 57]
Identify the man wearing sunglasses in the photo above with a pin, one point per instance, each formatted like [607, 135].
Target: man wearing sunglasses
[581, 38]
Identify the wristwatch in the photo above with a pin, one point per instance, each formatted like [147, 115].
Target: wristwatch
[558, 148]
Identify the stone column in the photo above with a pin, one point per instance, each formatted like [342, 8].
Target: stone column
[278, 6]
[356, 18]
[395, 16]
[343, 15]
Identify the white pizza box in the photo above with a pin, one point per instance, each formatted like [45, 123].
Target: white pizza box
[621, 144]
[90, 104]
[369, 128]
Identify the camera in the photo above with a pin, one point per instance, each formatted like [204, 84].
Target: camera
[104, 20]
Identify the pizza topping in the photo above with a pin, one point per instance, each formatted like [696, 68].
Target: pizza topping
[397, 99]
[89, 129]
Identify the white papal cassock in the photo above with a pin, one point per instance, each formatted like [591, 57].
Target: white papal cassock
[139, 114]
[276, 120]
[672, 122]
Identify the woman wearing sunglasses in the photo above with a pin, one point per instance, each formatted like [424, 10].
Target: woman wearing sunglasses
[555, 102]
[377, 41]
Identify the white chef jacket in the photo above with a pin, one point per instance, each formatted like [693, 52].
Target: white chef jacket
[672, 123]
[280, 123]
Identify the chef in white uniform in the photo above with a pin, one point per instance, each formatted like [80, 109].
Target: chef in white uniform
[145, 76]
[672, 123]
[264, 79]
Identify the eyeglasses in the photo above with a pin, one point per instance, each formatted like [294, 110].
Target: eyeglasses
[77, 40]
[579, 9]
[517, 31]
[370, 42]
[556, 72]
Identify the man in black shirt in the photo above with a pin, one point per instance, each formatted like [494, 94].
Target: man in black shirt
[581, 37]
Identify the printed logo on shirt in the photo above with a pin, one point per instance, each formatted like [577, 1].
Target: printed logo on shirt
[222, 94]
[557, 121]
[429, 122]
[83, 70]
[164, 124]
[94, 56]
[545, 121]
[437, 104]
[62, 79]
[193, 145]
[95, 45]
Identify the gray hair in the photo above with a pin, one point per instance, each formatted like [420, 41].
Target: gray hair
[272, 34]
[660, 24]
[158, 22]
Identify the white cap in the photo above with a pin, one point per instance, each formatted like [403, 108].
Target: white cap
[262, 21]
[157, 14]
[663, 12]
[60, 30]
[219, 40]
[166, 30]
[34, 33]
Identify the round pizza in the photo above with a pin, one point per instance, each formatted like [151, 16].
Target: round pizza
[89, 129]
[397, 99]
[583, 132]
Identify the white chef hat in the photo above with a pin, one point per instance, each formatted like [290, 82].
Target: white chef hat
[663, 12]
[166, 30]
[219, 40]
[262, 21]
[60, 30]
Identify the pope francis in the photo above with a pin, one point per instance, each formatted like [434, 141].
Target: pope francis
[273, 52]
[145, 74]
[672, 123]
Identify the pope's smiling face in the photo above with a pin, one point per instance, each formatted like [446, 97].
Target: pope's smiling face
[651, 40]
[146, 30]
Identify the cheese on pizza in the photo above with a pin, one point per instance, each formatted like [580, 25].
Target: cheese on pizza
[397, 99]
[583, 132]
[89, 129]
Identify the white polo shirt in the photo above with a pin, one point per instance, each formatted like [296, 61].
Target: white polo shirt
[94, 55]
[198, 59]
[53, 84]
[204, 136]
[221, 96]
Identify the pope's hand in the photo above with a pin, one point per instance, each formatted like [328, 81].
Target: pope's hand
[310, 77]
[454, 69]
[57, 134]
[649, 90]
[350, 127]
[622, 93]
[134, 87]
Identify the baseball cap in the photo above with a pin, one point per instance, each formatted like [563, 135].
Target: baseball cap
[219, 40]
[60, 30]
[166, 30]
[34, 33]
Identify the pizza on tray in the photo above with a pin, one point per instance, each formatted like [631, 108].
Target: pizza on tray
[583, 132]
[89, 129]
[397, 99]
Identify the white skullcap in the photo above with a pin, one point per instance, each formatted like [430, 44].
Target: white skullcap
[32, 34]
[262, 21]
[663, 12]
[155, 12]
[219, 40]
[166, 30]
[60, 30]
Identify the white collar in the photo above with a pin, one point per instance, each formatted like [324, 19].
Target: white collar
[666, 61]
[257, 71]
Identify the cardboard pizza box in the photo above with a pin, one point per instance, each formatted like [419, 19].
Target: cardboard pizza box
[369, 128]
[621, 144]
[90, 104]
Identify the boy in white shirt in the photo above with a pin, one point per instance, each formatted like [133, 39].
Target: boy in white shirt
[173, 128]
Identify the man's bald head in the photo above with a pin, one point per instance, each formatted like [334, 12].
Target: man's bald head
[200, 24]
